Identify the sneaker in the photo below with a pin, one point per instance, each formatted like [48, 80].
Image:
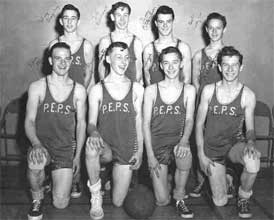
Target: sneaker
[243, 208]
[75, 191]
[35, 212]
[197, 191]
[96, 211]
[183, 210]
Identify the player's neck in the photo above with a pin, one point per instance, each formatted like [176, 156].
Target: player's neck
[216, 44]
[120, 32]
[59, 79]
[172, 81]
[113, 76]
[71, 36]
[230, 85]
[166, 39]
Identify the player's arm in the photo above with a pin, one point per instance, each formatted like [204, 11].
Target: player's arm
[138, 93]
[34, 94]
[95, 95]
[186, 52]
[200, 122]
[138, 48]
[103, 45]
[89, 79]
[249, 103]
[196, 69]
[80, 104]
[147, 62]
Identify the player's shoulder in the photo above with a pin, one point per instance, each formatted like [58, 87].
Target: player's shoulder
[104, 40]
[190, 88]
[248, 93]
[148, 47]
[51, 43]
[151, 89]
[36, 86]
[197, 55]
[183, 45]
[87, 43]
[138, 87]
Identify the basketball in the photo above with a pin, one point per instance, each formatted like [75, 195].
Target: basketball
[139, 202]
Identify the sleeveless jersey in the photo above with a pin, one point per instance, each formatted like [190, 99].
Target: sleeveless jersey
[116, 124]
[131, 69]
[55, 121]
[224, 123]
[209, 70]
[167, 122]
[156, 74]
[77, 67]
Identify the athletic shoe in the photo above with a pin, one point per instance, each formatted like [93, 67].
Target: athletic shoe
[183, 210]
[96, 211]
[75, 191]
[197, 191]
[35, 212]
[243, 208]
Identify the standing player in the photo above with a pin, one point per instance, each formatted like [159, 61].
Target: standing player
[114, 129]
[164, 18]
[168, 121]
[81, 69]
[205, 71]
[55, 118]
[119, 15]
[223, 109]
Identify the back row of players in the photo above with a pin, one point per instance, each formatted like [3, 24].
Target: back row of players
[122, 114]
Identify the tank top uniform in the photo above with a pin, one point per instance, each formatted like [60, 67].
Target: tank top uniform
[167, 122]
[224, 126]
[131, 69]
[117, 125]
[55, 125]
[156, 74]
[77, 67]
[209, 72]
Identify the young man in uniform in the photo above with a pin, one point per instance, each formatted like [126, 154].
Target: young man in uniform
[81, 69]
[114, 129]
[168, 121]
[224, 107]
[82, 66]
[205, 71]
[55, 118]
[119, 15]
[164, 18]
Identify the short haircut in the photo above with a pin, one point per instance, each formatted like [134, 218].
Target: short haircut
[122, 45]
[168, 50]
[117, 5]
[59, 45]
[229, 51]
[215, 15]
[164, 9]
[70, 7]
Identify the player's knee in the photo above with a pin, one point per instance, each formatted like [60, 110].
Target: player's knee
[118, 202]
[252, 165]
[184, 163]
[162, 200]
[60, 201]
[91, 153]
[220, 201]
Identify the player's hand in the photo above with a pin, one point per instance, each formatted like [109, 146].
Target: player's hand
[205, 163]
[135, 161]
[182, 150]
[76, 166]
[251, 151]
[95, 141]
[37, 153]
[154, 166]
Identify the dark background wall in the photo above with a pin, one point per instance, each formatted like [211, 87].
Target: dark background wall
[27, 26]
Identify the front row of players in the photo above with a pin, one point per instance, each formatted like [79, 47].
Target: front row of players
[55, 125]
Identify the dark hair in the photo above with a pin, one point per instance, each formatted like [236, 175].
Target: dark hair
[168, 50]
[122, 45]
[59, 45]
[215, 15]
[229, 51]
[164, 9]
[70, 7]
[120, 5]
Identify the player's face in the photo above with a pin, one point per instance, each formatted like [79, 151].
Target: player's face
[171, 65]
[164, 24]
[118, 60]
[121, 18]
[60, 61]
[69, 21]
[215, 29]
[230, 68]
